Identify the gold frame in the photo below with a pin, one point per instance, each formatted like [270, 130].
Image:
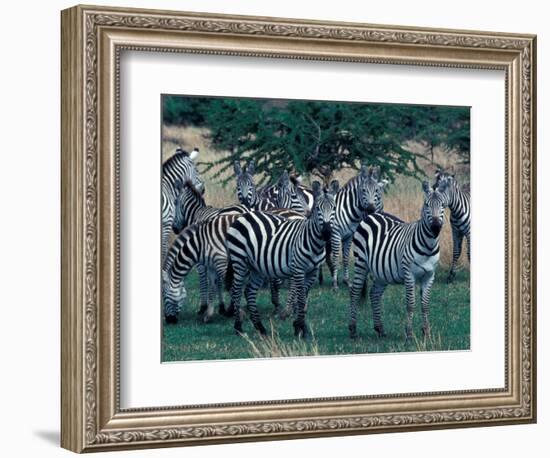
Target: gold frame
[92, 39]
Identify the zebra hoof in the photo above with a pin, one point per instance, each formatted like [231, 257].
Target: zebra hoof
[283, 315]
[230, 311]
[202, 309]
[426, 332]
[206, 318]
[261, 329]
[353, 331]
[345, 282]
[238, 328]
[451, 278]
[221, 309]
[171, 319]
[380, 331]
[300, 330]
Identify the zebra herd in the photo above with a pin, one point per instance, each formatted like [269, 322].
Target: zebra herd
[285, 231]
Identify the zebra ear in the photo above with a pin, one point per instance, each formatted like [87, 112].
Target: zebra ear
[194, 154]
[316, 188]
[334, 187]
[237, 168]
[251, 167]
[426, 187]
[365, 172]
[383, 183]
[375, 173]
[284, 180]
[299, 179]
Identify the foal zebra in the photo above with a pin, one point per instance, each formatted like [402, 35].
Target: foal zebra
[179, 168]
[362, 194]
[395, 253]
[458, 202]
[264, 245]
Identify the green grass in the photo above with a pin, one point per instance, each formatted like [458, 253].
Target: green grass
[327, 317]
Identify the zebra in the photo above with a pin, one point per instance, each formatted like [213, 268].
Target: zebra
[180, 167]
[190, 207]
[202, 245]
[396, 253]
[287, 192]
[262, 245]
[458, 202]
[247, 193]
[361, 195]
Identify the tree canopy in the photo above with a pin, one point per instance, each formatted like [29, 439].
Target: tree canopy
[317, 138]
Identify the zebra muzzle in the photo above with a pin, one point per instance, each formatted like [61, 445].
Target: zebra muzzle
[435, 227]
[370, 209]
[326, 232]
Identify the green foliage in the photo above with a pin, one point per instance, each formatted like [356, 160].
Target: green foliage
[319, 138]
[327, 316]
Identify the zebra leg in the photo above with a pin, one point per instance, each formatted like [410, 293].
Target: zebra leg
[290, 302]
[299, 323]
[376, 293]
[310, 279]
[457, 249]
[335, 246]
[425, 291]
[203, 288]
[359, 282]
[221, 268]
[275, 285]
[251, 293]
[346, 245]
[166, 229]
[213, 284]
[468, 241]
[409, 288]
[236, 294]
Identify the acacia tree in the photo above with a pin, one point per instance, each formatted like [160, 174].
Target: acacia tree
[318, 138]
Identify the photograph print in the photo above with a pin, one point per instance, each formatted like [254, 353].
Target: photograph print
[294, 228]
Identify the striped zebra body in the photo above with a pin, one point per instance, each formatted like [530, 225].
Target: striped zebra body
[201, 245]
[361, 195]
[458, 202]
[179, 168]
[394, 252]
[287, 193]
[262, 245]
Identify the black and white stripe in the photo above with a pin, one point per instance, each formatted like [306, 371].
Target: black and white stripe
[394, 252]
[262, 245]
[362, 195]
[190, 207]
[458, 202]
[201, 245]
[178, 169]
[247, 193]
[287, 192]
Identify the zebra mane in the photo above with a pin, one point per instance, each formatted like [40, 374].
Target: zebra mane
[197, 194]
[295, 180]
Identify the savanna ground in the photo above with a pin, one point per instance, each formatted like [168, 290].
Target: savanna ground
[327, 313]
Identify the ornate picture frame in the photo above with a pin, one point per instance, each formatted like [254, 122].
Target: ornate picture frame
[93, 39]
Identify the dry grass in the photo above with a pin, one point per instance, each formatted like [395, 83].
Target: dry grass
[403, 198]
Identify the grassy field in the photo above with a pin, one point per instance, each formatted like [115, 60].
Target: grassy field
[327, 316]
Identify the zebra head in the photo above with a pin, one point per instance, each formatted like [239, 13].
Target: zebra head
[187, 197]
[371, 188]
[433, 210]
[246, 188]
[173, 296]
[452, 185]
[289, 195]
[191, 169]
[324, 206]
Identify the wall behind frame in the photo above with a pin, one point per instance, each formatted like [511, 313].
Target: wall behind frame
[29, 233]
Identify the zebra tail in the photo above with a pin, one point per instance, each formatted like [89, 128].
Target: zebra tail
[229, 275]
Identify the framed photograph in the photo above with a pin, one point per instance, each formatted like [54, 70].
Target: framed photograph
[278, 228]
